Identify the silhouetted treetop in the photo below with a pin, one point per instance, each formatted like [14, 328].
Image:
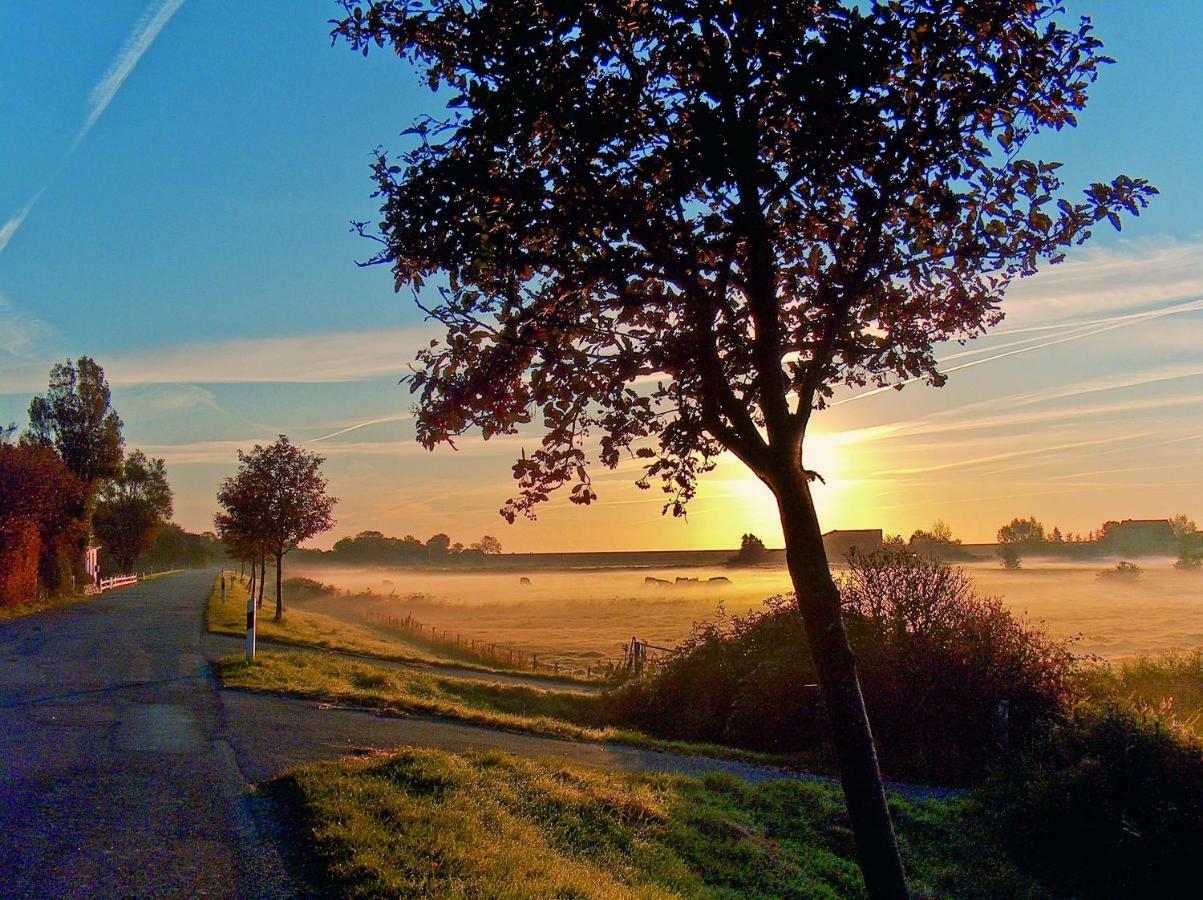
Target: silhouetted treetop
[76, 418]
[682, 224]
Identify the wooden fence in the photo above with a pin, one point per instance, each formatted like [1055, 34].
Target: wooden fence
[105, 584]
[492, 653]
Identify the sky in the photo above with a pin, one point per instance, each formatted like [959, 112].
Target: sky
[176, 183]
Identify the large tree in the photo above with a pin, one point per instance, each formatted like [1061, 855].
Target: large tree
[76, 417]
[676, 228]
[276, 500]
[131, 506]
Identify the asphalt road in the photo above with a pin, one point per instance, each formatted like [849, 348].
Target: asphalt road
[126, 772]
[117, 776]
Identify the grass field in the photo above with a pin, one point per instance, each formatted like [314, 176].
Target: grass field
[429, 823]
[584, 617]
[306, 628]
[566, 714]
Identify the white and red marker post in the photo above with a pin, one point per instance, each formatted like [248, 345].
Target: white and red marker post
[250, 628]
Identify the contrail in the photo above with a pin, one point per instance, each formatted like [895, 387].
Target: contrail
[10, 227]
[145, 31]
[1113, 323]
[325, 437]
[147, 28]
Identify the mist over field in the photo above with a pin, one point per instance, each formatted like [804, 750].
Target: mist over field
[589, 615]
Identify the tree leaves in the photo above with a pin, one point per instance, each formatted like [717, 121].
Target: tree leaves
[672, 229]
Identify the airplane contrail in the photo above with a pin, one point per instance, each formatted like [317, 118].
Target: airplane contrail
[1112, 324]
[147, 28]
[325, 437]
[145, 31]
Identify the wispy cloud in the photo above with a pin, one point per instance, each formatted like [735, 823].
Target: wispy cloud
[145, 31]
[20, 333]
[303, 359]
[1073, 334]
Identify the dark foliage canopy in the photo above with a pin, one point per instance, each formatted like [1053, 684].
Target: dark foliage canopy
[132, 506]
[276, 500]
[675, 228]
[76, 418]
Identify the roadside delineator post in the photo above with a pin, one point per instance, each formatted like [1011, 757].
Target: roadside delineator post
[250, 628]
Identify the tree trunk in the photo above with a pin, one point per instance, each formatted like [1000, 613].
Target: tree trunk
[254, 573]
[262, 578]
[819, 604]
[279, 590]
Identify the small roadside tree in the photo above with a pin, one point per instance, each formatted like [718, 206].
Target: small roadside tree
[674, 229]
[278, 499]
[131, 506]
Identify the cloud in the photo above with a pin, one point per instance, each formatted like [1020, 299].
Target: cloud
[1101, 281]
[303, 359]
[145, 31]
[20, 334]
[1076, 333]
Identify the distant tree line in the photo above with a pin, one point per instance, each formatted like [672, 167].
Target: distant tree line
[373, 548]
[1176, 536]
[66, 483]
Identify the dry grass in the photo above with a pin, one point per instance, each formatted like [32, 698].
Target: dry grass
[581, 618]
[306, 628]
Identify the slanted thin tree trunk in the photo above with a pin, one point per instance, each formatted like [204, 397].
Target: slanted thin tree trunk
[819, 604]
[262, 578]
[254, 573]
[279, 588]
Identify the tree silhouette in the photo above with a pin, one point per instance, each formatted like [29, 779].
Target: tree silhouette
[488, 545]
[131, 506]
[277, 499]
[1027, 534]
[42, 527]
[675, 229]
[75, 417]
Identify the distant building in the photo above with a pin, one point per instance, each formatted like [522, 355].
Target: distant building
[1138, 537]
[839, 544]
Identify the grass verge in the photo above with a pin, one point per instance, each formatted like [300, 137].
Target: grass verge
[567, 715]
[308, 629]
[20, 610]
[423, 822]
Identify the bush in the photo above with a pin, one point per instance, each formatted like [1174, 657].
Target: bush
[1123, 571]
[935, 662]
[307, 588]
[1108, 804]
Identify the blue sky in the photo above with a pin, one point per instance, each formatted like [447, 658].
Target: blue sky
[194, 240]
